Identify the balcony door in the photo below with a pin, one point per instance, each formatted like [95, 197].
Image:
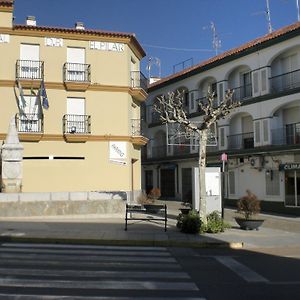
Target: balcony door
[75, 64]
[29, 121]
[289, 64]
[76, 122]
[29, 67]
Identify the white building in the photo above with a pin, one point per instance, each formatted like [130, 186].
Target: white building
[261, 138]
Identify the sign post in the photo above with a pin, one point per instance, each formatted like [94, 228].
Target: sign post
[224, 158]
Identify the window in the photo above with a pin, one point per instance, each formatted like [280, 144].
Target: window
[272, 183]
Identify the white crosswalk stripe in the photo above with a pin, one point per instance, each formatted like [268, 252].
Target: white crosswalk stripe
[66, 269]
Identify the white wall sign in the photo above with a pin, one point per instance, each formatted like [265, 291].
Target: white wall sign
[54, 42]
[118, 152]
[107, 46]
[4, 38]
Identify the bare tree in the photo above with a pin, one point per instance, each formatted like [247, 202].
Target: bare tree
[171, 110]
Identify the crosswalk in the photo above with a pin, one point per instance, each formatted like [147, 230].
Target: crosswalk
[52, 271]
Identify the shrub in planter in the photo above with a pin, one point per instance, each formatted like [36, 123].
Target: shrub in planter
[215, 223]
[189, 223]
[248, 206]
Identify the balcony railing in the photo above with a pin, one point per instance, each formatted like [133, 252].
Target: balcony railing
[242, 92]
[138, 80]
[74, 72]
[30, 69]
[286, 81]
[77, 124]
[241, 141]
[33, 123]
[181, 150]
[288, 135]
[159, 151]
[136, 129]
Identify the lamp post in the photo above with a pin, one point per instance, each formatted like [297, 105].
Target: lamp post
[224, 158]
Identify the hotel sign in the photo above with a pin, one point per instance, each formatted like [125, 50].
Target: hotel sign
[4, 38]
[289, 166]
[107, 46]
[54, 42]
[118, 153]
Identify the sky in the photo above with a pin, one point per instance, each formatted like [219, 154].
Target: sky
[171, 31]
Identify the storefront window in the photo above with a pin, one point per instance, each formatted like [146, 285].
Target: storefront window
[292, 188]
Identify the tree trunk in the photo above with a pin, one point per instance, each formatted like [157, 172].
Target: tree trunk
[202, 165]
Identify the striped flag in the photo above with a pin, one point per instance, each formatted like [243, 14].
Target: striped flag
[21, 95]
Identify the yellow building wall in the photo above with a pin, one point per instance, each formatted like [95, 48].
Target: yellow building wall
[111, 109]
[5, 19]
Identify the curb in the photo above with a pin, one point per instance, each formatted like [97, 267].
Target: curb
[149, 243]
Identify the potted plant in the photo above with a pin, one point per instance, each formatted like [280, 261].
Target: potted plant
[248, 206]
[186, 207]
[148, 201]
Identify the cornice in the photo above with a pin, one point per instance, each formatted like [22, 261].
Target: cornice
[76, 86]
[37, 137]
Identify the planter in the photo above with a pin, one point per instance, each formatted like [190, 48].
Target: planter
[153, 208]
[185, 210]
[249, 224]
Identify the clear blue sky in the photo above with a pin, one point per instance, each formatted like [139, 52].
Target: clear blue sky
[163, 24]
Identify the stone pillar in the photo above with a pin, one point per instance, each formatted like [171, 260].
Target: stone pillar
[12, 156]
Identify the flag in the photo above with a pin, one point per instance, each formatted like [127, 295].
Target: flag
[38, 104]
[21, 95]
[43, 94]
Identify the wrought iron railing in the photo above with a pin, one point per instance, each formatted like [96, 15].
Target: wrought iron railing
[136, 129]
[241, 141]
[242, 93]
[288, 135]
[30, 123]
[74, 72]
[138, 80]
[30, 69]
[285, 81]
[181, 149]
[77, 124]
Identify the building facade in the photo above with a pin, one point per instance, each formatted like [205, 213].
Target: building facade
[75, 95]
[261, 137]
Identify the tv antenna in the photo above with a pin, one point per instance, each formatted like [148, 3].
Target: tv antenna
[153, 61]
[268, 16]
[216, 42]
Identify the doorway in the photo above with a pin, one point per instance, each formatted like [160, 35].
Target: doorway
[167, 183]
[292, 188]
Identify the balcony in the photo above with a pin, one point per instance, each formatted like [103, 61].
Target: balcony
[242, 93]
[32, 70]
[138, 80]
[159, 151]
[241, 141]
[30, 126]
[288, 135]
[76, 128]
[285, 81]
[77, 76]
[139, 87]
[136, 129]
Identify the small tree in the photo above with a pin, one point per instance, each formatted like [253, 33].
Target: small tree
[171, 110]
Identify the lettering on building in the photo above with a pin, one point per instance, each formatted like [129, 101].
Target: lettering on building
[107, 46]
[289, 166]
[4, 38]
[117, 152]
[53, 42]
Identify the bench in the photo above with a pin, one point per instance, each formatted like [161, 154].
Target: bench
[153, 212]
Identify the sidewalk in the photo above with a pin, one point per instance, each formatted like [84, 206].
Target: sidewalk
[109, 230]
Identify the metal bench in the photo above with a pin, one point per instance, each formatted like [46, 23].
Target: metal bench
[154, 213]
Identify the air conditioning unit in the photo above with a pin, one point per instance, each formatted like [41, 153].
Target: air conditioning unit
[256, 162]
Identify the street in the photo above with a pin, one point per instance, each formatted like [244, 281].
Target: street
[52, 271]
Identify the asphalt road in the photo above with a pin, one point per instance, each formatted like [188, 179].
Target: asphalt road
[45, 271]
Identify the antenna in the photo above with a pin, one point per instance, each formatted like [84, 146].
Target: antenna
[268, 16]
[216, 42]
[151, 62]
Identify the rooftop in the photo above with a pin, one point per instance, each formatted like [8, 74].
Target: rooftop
[231, 54]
